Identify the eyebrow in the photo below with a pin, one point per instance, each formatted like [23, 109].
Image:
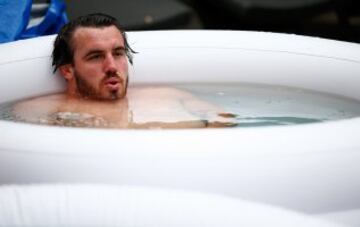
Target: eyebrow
[119, 48]
[97, 51]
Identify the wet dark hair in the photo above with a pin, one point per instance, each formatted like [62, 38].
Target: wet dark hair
[63, 51]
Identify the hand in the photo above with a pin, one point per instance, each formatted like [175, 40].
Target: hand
[222, 119]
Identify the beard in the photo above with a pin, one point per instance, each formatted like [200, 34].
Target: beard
[86, 90]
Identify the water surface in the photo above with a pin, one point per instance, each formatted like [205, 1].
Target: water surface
[268, 105]
[248, 105]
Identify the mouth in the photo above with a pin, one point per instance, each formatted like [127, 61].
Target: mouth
[113, 83]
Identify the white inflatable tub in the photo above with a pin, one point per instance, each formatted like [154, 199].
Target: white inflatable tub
[113, 205]
[312, 168]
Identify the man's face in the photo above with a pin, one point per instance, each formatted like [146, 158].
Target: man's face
[100, 66]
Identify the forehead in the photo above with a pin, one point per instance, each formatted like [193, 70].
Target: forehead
[91, 37]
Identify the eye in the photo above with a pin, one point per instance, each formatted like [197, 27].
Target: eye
[119, 52]
[94, 56]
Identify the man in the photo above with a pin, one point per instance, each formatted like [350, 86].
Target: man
[92, 54]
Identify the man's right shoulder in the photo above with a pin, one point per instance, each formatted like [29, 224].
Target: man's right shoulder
[37, 105]
[46, 99]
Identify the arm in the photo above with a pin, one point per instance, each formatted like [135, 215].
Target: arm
[214, 115]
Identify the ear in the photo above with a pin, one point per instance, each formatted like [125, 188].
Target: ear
[67, 71]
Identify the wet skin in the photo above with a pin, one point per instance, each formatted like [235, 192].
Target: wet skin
[144, 107]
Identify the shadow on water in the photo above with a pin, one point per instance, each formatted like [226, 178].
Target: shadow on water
[274, 121]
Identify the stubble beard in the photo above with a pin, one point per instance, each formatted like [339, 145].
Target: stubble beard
[88, 91]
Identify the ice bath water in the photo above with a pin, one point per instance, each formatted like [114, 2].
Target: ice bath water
[254, 105]
[268, 105]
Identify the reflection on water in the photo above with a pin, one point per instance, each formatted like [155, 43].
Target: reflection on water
[240, 105]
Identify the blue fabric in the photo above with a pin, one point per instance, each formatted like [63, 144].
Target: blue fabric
[14, 17]
[54, 19]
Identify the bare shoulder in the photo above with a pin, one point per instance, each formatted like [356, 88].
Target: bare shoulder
[36, 107]
[41, 101]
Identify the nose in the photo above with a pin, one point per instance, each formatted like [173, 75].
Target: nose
[109, 63]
